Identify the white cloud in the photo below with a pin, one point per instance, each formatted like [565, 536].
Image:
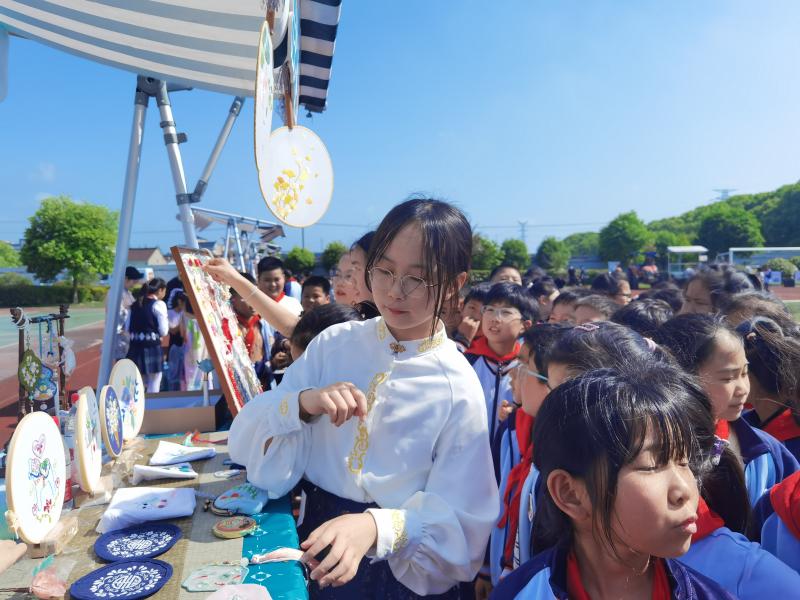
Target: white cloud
[45, 172]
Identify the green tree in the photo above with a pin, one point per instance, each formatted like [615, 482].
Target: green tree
[515, 252]
[486, 255]
[583, 244]
[332, 253]
[664, 239]
[553, 254]
[729, 226]
[300, 260]
[74, 236]
[623, 238]
[786, 267]
[8, 256]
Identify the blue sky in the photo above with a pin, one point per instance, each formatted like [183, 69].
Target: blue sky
[562, 114]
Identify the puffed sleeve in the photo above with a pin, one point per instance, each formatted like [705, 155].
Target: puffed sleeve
[274, 417]
[438, 536]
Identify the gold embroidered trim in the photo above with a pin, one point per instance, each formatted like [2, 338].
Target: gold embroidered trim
[399, 528]
[431, 342]
[397, 348]
[381, 330]
[284, 407]
[355, 462]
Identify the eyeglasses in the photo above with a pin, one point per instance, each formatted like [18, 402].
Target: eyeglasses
[411, 287]
[523, 369]
[340, 278]
[504, 315]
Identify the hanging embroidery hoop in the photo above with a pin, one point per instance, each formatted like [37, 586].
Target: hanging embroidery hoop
[30, 369]
[234, 527]
[126, 579]
[88, 444]
[137, 542]
[35, 476]
[297, 183]
[111, 420]
[126, 375]
[280, 20]
[264, 97]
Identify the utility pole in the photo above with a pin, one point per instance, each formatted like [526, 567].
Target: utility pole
[724, 193]
[523, 231]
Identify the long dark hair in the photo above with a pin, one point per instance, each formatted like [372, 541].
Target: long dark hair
[606, 414]
[692, 338]
[446, 241]
[722, 282]
[151, 287]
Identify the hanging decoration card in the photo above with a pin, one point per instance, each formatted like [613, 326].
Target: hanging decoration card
[123, 580]
[297, 183]
[127, 382]
[264, 97]
[137, 542]
[88, 444]
[35, 476]
[111, 420]
[220, 328]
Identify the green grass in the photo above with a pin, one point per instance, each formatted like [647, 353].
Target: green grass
[80, 314]
[794, 308]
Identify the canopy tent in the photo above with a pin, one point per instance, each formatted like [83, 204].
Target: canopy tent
[173, 45]
[208, 44]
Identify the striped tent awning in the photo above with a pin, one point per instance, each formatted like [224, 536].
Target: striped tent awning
[209, 44]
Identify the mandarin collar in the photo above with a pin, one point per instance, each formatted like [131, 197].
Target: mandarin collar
[410, 348]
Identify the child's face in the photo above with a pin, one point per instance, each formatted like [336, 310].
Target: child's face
[358, 260]
[472, 309]
[313, 295]
[502, 323]
[697, 299]
[528, 388]
[240, 307]
[271, 282]
[724, 378]
[624, 296]
[655, 510]
[587, 314]
[562, 313]
[344, 283]
[546, 304]
[509, 274]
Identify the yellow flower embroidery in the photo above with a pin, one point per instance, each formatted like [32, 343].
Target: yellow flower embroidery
[381, 330]
[284, 407]
[355, 462]
[431, 343]
[289, 186]
[399, 528]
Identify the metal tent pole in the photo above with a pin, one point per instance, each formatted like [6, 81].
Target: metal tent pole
[172, 139]
[238, 240]
[124, 235]
[202, 183]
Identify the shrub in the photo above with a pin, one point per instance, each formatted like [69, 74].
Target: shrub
[786, 267]
[47, 295]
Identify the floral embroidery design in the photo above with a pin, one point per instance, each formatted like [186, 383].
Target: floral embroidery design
[45, 486]
[355, 461]
[139, 544]
[399, 529]
[126, 581]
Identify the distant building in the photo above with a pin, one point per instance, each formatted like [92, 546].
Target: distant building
[145, 257]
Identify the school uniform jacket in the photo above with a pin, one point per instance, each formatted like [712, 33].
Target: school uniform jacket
[544, 577]
[422, 454]
[740, 566]
[779, 513]
[783, 428]
[766, 460]
[492, 371]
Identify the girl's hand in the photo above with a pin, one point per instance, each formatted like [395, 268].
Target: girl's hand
[469, 328]
[349, 538]
[505, 409]
[221, 271]
[339, 401]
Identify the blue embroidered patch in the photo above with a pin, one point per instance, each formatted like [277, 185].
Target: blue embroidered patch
[124, 580]
[139, 541]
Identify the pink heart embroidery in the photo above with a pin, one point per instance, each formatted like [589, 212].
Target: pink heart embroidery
[38, 446]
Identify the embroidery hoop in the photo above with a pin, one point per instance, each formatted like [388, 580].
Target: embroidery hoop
[21, 489]
[298, 157]
[264, 96]
[111, 412]
[88, 442]
[126, 374]
[280, 20]
[234, 527]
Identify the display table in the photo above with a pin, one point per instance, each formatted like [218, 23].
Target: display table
[197, 547]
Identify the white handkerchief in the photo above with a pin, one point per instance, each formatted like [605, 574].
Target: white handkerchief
[180, 471]
[170, 453]
[131, 506]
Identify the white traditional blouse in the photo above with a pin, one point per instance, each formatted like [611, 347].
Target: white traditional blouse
[422, 455]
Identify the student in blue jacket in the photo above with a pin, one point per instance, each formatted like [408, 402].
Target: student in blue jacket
[618, 502]
[778, 515]
[706, 346]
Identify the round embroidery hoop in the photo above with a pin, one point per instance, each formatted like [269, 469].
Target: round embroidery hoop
[88, 445]
[234, 527]
[126, 579]
[35, 476]
[125, 374]
[111, 420]
[264, 95]
[280, 22]
[137, 542]
[297, 183]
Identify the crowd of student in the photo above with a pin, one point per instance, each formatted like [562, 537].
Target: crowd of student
[514, 439]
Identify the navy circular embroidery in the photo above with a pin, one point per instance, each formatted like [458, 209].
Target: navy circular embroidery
[139, 541]
[127, 580]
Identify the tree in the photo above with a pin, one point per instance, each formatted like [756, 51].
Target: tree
[552, 254]
[332, 253]
[8, 256]
[300, 260]
[623, 238]
[583, 244]
[486, 255]
[727, 227]
[515, 252]
[74, 236]
[664, 239]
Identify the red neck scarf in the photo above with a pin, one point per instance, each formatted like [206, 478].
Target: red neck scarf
[785, 499]
[783, 427]
[249, 326]
[576, 591]
[481, 347]
[514, 484]
[280, 297]
[707, 521]
[723, 430]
